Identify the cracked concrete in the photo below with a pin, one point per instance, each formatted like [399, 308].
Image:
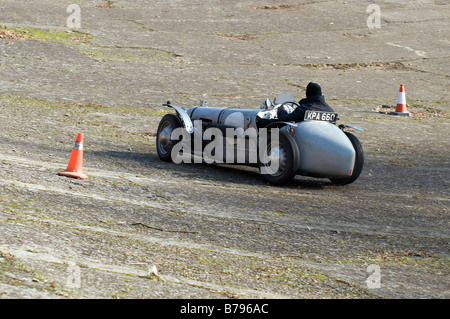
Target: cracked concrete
[219, 231]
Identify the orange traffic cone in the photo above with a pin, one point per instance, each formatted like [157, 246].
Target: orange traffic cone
[401, 103]
[75, 166]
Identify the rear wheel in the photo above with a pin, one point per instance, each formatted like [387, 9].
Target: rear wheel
[164, 141]
[280, 159]
[359, 162]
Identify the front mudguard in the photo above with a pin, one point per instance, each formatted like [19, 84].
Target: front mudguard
[184, 117]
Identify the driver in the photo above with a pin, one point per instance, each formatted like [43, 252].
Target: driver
[314, 101]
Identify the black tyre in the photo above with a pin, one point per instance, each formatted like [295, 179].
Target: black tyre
[280, 159]
[164, 141]
[359, 162]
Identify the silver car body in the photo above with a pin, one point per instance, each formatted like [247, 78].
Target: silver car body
[325, 150]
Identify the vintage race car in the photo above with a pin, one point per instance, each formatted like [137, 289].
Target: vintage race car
[316, 146]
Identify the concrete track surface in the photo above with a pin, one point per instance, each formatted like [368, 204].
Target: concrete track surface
[142, 228]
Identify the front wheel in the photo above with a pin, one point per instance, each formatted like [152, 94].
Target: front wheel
[164, 141]
[280, 159]
[359, 162]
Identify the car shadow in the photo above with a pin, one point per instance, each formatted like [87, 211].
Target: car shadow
[233, 173]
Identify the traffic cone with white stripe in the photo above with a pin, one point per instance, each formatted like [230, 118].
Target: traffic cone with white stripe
[401, 103]
[75, 167]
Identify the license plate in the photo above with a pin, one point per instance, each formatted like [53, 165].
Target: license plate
[321, 116]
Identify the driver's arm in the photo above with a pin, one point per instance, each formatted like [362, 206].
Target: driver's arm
[296, 116]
